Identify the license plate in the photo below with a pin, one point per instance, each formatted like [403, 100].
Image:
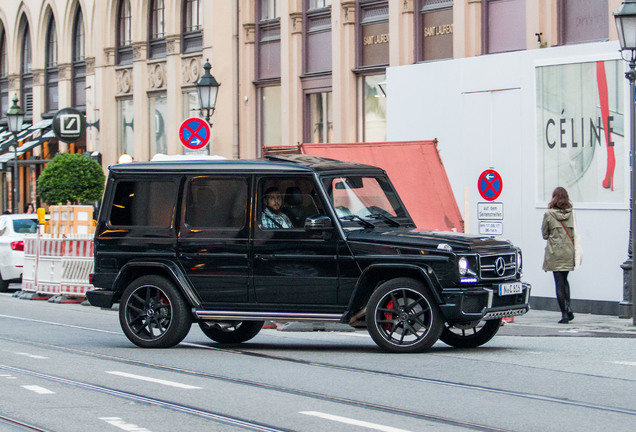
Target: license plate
[510, 288]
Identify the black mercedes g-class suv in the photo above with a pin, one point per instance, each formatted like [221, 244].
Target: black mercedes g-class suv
[178, 242]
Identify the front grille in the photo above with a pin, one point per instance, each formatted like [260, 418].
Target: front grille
[498, 266]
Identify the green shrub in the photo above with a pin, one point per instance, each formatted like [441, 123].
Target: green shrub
[71, 179]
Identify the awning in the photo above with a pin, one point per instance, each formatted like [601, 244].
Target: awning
[415, 169]
[7, 140]
[46, 135]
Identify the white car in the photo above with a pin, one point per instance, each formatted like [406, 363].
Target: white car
[12, 231]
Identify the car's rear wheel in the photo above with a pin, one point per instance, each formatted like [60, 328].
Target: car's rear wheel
[230, 332]
[403, 317]
[153, 314]
[4, 285]
[470, 335]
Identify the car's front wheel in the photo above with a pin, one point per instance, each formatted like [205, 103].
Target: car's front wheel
[403, 317]
[153, 314]
[230, 332]
[470, 335]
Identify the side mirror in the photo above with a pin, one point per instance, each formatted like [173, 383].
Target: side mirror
[318, 223]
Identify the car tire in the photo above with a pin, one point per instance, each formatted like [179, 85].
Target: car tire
[153, 313]
[459, 336]
[231, 332]
[4, 285]
[403, 317]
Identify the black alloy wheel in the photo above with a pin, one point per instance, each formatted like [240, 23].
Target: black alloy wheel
[153, 314]
[231, 332]
[403, 317]
[470, 335]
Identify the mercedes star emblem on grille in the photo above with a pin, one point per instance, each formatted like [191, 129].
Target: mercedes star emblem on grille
[500, 266]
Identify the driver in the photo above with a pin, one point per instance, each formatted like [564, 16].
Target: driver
[272, 216]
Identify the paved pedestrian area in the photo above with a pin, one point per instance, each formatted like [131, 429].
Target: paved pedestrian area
[545, 323]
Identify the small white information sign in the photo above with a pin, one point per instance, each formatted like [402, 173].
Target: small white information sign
[490, 211]
[490, 228]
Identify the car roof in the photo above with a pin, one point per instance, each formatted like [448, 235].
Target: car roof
[20, 216]
[279, 163]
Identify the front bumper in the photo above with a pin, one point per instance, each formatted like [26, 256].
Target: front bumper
[483, 303]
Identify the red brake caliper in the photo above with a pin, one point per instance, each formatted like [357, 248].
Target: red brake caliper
[388, 315]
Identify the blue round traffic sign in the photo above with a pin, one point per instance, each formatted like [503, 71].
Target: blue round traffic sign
[194, 133]
[490, 185]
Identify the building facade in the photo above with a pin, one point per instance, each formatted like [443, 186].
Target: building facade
[319, 71]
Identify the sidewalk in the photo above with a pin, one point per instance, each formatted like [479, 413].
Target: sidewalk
[545, 323]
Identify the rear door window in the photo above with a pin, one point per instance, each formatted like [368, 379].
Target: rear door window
[217, 203]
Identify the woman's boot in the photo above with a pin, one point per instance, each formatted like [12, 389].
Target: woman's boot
[564, 318]
[569, 311]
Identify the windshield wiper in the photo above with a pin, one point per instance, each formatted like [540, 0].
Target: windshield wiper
[357, 218]
[389, 220]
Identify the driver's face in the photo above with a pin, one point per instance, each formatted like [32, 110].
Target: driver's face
[274, 201]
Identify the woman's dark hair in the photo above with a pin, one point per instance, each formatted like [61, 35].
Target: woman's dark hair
[560, 199]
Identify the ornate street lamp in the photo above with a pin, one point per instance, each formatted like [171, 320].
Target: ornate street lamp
[15, 117]
[625, 18]
[208, 88]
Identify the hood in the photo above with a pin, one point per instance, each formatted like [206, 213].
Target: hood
[413, 237]
[560, 215]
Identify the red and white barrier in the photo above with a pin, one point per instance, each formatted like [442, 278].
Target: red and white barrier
[58, 266]
[30, 264]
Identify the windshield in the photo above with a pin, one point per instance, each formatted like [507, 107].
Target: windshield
[363, 197]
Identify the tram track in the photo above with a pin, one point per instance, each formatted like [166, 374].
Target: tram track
[309, 394]
[19, 425]
[341, 400]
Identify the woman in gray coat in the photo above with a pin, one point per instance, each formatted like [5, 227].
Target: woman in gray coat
[558, 230]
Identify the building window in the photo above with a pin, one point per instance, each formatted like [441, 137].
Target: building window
[78, 88]
[4, 75]
[158, 112]
[268, 40]
[582, 21]
[26, 73]
[270, 10]
[270, 119]
[51, 71]
[317, 4]
[125, 125]
[192, 38]
[319, 107]
[124, 33]
[157, 27]
[504, 25]
[317, 29]
[373, 33]
[434, 30]
[372, 108]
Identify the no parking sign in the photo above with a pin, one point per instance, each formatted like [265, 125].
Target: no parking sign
[490, 185]
[194, 133]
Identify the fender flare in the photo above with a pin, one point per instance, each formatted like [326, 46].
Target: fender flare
[424, 271]
[174, 271]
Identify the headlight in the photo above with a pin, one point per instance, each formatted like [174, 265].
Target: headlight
[463, 266]
[519, 264]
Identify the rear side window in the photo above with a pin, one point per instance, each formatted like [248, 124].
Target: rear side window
[25, 226]
[216, 202]
[143, 203]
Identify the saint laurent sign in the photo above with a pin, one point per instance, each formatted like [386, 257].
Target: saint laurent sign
[376, 39]
[438, 30]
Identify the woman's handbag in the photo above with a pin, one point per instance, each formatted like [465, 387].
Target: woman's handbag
[576, 241]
